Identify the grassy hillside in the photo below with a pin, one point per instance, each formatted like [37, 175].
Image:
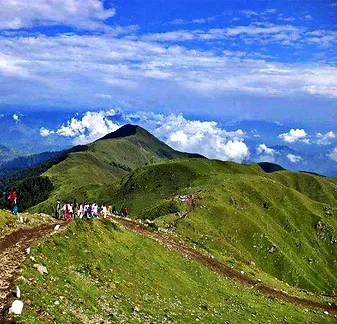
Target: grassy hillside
[90, 172]
[317, 188]
[244, 215]
[114, 275]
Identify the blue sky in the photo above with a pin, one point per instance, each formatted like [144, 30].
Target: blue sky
[205, 60]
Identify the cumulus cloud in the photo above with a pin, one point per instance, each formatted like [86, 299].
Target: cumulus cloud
[264, 149]
[16, 117]
[333, 154]
[325, 139]
[265, 153]
[44, 132]
[295, 135]
[294, 158]
[88, 14]
[203, 137]
[90, 127]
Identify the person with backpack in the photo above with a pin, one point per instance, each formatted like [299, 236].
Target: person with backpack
[12, 197]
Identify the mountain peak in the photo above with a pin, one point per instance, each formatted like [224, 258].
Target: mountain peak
[124, 131]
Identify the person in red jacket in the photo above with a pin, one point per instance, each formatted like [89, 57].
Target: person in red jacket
[12, 198]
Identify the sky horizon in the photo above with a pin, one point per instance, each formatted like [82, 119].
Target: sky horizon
[197, 66]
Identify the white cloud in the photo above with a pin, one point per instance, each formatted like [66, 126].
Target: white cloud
[325, 139]
[294, 158]
[44, 132]
[295, 135]
[90, 127]
[333, 154]
[203, 137]
[83, 69]
[265, 154]
[263, 149]
[16, 117]
[88, 14]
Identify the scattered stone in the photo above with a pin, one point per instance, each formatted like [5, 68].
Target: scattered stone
[326, 312]
[56, 303]
[28, 250]
[242, 272]
[259, 280]
[273, 249]
[57, 227]
[16, 307]
[252, 263]
[40, 268]
[136, 309]
[20, 219]
[18, 292]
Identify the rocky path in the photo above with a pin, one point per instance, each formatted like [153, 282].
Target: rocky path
[12, 254]
[225, 270]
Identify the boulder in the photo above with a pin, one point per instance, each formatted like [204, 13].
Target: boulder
[16, 307]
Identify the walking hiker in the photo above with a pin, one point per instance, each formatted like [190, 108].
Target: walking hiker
[58, 210]
[67, 210]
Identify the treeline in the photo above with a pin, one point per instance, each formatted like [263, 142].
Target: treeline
[31, 187]
[31, 191]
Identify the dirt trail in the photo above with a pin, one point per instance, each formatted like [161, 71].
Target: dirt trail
[225, 270]
[12, 254]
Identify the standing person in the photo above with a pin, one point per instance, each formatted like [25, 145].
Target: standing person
[114, 210]
[122, 211]
[125, 211]
[12, 197]
[67, 210]
[58, 210]
[73, 207]
[104, 211]
[80, 211]
[110, 210]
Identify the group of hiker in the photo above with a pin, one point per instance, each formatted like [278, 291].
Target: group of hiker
[72, 209]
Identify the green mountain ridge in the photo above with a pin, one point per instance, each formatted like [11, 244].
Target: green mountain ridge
[279, 227]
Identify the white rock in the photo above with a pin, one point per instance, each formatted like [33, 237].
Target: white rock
[57, 227]
[21, 219]
[16, 307]
[40, 268]
[28, 250]
[18, 292]
[326, 312]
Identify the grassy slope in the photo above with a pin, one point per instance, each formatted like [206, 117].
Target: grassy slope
[117, 275]
[230, 220]
[92, 174]
[317, 188]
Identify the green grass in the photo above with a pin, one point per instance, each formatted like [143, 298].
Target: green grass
[10, 222]
[98, 271]
[241, 213]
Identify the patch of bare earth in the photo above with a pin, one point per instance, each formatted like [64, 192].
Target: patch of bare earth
[12, 254]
